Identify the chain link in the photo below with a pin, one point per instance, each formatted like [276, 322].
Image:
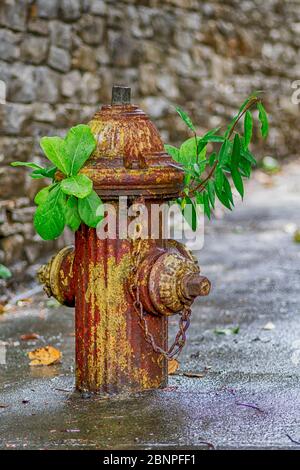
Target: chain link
[184, 321]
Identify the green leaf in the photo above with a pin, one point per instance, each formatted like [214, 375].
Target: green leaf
[245, 167]
[199, 198]
[44, 173]
[211, 132]
[49, 172]
[232, 123]
[38, 171]
[72, 215]
[79, 186]
[185, 118]
[206, 204]
[80, 144]
[211, 192]
[248, 127]
[249, 156]
[244, 104]
[173, 151]
[42, 195]
[28, 165]
[187, 179]
[223, 198]
[49, 219]
[236, 151]
[212, 158]
[181, 202]
[263, 117]
[230, 126]
[56, 151]
[227, 331]
[213, 138]
[235, 330]
[188, 152]
[219, 179]
[237, 180]
[4, 272]
[201, 146]
[227, 190]
[189, 213]
[225, 152]
[201, 153]
[88, 209]
[226, 169]
[197, 170]
[247, 100]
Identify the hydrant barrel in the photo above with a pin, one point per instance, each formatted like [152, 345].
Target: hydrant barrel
[112, 355]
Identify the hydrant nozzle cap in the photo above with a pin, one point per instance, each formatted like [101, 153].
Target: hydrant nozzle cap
[195, 284]
[120, 95]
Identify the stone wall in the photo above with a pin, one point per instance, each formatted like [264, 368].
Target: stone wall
[59, 59]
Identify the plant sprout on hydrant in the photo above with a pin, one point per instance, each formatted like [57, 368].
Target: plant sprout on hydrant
[125, 283]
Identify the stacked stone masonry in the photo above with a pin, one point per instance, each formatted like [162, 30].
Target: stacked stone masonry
[59, 59]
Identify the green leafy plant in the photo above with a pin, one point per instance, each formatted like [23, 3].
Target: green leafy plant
[4, 272]
[207, 176]
[70, 199]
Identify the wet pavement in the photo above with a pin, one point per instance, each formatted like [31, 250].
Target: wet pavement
[247, 392]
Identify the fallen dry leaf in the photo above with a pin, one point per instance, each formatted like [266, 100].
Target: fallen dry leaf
[170, 389]
[194, 375]
[29, 336]
[297, 236]
[173, 365]
[269, 326]
[291, 228]
[264, 179]
[44, 356]
[24, 302]
[4, 308]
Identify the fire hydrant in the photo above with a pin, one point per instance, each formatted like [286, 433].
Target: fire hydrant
[124, 289]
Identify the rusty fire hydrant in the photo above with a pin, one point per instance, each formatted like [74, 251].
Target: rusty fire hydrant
[124, 289]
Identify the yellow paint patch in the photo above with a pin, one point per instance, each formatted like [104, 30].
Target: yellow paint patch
[106, 293]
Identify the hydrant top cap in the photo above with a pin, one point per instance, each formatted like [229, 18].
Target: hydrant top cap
[130, 158]
[120, 95]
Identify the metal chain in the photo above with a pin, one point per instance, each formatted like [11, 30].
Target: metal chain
[184, 321]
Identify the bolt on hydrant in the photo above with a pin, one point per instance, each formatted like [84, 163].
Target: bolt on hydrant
[124, 288]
